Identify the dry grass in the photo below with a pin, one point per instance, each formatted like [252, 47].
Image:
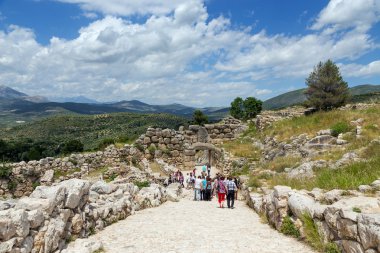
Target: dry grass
[242, 148]
[285, 129]
[97, 172]
[155, 167]
[280, 163]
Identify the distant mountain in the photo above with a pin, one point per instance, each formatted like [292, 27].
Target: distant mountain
[6, 92]
[298, 97]
[77, 99]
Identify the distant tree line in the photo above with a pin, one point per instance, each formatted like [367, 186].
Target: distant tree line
[27, 150]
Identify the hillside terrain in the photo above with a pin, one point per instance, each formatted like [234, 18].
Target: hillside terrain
[339, 149]
[360, 93]
[45, 136]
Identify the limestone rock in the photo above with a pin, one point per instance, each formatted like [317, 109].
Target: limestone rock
[300, 204]
[84, 246]
[101, 187]
[76, 189]
[173, 192]
[369, 230]
[47, 177]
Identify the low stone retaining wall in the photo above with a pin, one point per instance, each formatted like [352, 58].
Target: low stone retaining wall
[353, 222]
[52, 216]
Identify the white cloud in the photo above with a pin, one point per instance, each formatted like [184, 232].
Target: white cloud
[359, 70]
[342, 14]
[182, 56]
[128, 7]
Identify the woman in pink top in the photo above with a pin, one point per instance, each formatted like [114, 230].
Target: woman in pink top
[221, 188]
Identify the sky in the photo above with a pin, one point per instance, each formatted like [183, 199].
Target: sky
[194, 52]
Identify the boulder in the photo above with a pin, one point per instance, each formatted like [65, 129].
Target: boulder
[352, 247]
[76, 189]
[29, 204]
[47, 177]
[369, 230]
[173, 192]
[7, 227]
[53, 234]
[101, 187]
[301, 204]
[84, 246]
[35, 218]
[7, 245]
[56, 194]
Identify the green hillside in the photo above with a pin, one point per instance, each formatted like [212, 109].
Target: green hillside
[360, 93]
[48, 134]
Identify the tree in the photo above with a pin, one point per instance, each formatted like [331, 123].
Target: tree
[72, 146]
[199, 118]
[237, 108]
[326, 87]
[245, 109]
[252, 107]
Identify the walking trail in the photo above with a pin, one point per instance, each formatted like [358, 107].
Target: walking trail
[190, 226]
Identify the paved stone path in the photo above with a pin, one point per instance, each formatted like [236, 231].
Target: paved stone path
[189, 226]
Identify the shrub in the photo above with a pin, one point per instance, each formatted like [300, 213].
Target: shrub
[254, 182]
[142, 184]
[72, 146]
[339, 128]
[152, 149]
[35, 184]
[245, 109]
[139, 147]
[331, 248]
[199, 118]
[105, 143]
[12, 185]
[288, 228]
[356, 210]
[5, 171]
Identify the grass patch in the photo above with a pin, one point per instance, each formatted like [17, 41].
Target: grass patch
[155, 167]
[240, 171]
[97, 172]
[311, 124]
[254, 182]
[340, 128]
[345, 178]
[5, 171]
[356, 210]
[142, 184]
[279, 164]
[288, 228]
[313, 238]
[243, 148]
[61, 173]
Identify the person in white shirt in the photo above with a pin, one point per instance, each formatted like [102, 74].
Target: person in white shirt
[197, 188]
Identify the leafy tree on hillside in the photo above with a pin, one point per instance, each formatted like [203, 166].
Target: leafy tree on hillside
[326, 87]
[199, 118]
[237, 108]
[72, 146]
[252, 107]
[245, 109]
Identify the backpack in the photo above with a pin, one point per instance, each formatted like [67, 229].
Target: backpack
[208, 186]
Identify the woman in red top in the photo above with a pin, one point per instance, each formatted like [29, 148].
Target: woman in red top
[222, 190]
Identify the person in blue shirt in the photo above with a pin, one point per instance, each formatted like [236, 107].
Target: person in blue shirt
[203, 191]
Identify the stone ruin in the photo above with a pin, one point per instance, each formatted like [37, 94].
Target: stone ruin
[179, 147]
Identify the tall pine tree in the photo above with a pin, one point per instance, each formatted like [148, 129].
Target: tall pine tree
[326, 87]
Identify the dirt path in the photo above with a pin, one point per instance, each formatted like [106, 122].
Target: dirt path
[189, 226]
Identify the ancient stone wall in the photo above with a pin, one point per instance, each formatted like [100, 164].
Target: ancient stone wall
[25, 176]
[177, 147]
[53, 215]
[348, 219]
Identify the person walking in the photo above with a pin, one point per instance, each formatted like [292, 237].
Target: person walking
[222, 190]
[197, 188]
[208, 170]
[208, 189]
[231, 188]
[237, 186]
[204, 169]
[181, 179]
[203, 191]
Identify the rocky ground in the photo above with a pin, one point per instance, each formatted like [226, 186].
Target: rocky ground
[189, 226]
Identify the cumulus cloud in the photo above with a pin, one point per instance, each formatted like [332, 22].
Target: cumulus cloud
[178, 54]
[342, 14]
[128, 7]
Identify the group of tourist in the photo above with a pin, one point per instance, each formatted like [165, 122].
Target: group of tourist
[206, 188]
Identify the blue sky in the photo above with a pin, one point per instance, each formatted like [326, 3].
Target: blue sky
[194, 52]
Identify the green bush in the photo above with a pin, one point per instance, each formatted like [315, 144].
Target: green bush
[340, 128]
[288, 228]
[331, 248]
[139, 147]
[72, 146]
[105, 143]
[152, 149]
[142, 184]
[12, 185]
[5, 171]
